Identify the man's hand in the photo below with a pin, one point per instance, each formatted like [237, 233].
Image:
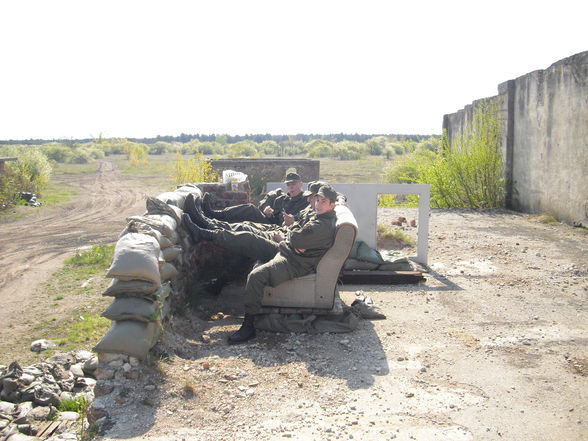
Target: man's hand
[277, 237]
[268, 211]
[288, 219]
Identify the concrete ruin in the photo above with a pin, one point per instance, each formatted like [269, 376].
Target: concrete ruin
[544, 118]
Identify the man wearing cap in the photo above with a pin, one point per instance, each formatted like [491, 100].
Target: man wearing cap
[293, 254]
[270, 210]
[191, 207]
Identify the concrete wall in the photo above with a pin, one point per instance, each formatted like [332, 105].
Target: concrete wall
[544, 139]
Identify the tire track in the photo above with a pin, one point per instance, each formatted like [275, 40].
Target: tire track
[33, 247]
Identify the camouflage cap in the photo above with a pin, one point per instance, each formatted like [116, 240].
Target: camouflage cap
[314, 186]
[292, 177]
[328, 192]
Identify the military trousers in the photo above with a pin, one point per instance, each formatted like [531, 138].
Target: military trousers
[246, 244]
[240, 213]
[272, 273]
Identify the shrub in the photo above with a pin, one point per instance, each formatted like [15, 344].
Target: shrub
[319, 148]
[32, 170]
[8, 192]
[467, 173]
[196, 169]
[136, 153]
[242, 149]
[59, 154]
[348, 150]
[160, 147]
[80, 156]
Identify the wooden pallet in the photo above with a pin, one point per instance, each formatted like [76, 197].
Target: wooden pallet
[374, 277]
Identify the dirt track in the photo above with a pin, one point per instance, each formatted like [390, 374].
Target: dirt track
[31, 248]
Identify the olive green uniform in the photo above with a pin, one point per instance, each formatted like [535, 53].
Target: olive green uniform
[279, 202]
[315, 237]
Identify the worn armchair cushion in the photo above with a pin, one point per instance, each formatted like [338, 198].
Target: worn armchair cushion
[317, 291]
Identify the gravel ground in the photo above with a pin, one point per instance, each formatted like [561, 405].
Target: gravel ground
[493, 346]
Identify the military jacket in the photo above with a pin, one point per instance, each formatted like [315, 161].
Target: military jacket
[290, 205]
[306, 243]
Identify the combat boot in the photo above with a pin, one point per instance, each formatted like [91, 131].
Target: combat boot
[196, 233]
[245, 332]
[191, 207]
[205, 205]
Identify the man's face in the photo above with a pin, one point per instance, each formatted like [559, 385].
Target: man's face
[323, 204]
[294, 188]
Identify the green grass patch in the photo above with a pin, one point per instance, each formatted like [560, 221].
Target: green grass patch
[75, 169]
[368, 170]
[161, 168]
[98, 255]
[78, 404]
[394, 201]
[385, 232]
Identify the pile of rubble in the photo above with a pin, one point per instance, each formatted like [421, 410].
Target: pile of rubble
[30, 397]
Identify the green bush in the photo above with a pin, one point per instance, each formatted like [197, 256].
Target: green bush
[8, 192]
[32, 170]
[348, 150]
[80, 156]
[467, 173]
[319, 148]
[59, 154]
[242, 149]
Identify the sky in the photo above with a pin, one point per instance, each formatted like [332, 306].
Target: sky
[125, 68]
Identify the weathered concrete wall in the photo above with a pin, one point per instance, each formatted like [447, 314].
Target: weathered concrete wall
[270, 169]
[544, 139]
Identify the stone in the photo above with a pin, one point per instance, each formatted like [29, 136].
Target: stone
[9, 385]
[77, 370]
[45, 396]
[32, 370]
[127, 367]
[42, 345]
[22, 412]
[103, 373]
[85, 382]
[66, 396]
[68, 416]
[59, 373]
[104, 357]
[41, 413]
[7, 409]
[21, 437]
[116, 363]
[103, 388]
[134, 361]
[26, 379]
[63, 359]
[83, 356]
[91, 365]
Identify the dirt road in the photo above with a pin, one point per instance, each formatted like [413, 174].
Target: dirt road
[32, 247]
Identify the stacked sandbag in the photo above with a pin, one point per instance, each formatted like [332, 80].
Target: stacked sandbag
[143, 270]
[363, 257]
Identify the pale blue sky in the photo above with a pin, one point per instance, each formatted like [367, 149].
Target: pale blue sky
[75, 69]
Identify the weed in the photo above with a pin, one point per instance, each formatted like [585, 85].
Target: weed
[543, 218]
[77, 404]
[97, 255]
[385, 232]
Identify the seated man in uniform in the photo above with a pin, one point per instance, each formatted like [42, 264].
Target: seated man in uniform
[270, 210]
[292, 254]
[191, 207]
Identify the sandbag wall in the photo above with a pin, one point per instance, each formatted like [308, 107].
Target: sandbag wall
[143, 271]
[154, 263]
